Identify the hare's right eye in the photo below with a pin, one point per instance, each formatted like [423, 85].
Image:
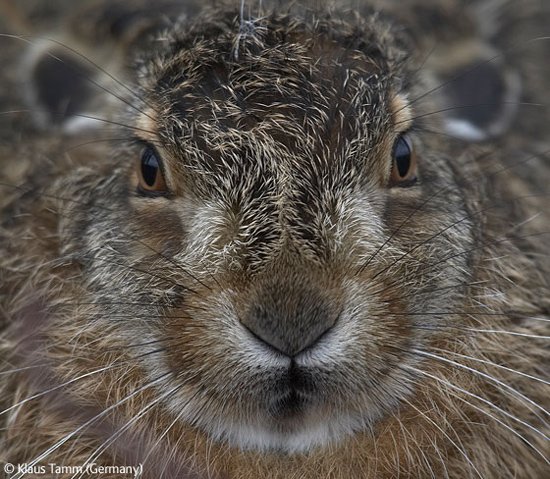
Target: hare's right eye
[150, 175]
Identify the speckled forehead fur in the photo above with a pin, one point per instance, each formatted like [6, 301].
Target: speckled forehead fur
[324, 84]
[297, 114]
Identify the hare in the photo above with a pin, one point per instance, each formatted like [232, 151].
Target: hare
[275, 240]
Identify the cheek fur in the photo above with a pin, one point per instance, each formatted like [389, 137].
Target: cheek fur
[159, 228]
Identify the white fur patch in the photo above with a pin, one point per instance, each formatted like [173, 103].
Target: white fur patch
[464, 129]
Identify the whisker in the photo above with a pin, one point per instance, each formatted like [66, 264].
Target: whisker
[482, 374]
[13, 371]
[190, 307]
[512, 333]
[87, 117]
[473, 105]
[98, 140]
[506, 426]
[114, 303]
[165, 433]
[440, 133]
[422, 64]
[138, 345]
[448, 227]
[502, 423]
[103, 413]
[496, 365]
[118, 364]
[447, 328]
[427, 267]
[146, 272]
[102, 447]
[505, 314]
[479, 398]
[126, 235]
[440, 429]
[431, 197]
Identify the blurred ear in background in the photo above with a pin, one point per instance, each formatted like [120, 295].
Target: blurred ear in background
[480, 92]
[69, 51]
[490, 63]
[59, 86]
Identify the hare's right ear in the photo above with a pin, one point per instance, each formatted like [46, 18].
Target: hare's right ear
[61, 87]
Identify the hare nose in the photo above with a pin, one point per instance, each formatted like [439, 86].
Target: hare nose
[289, 317]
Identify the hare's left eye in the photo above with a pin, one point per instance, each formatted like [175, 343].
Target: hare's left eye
[150, 175]
[404, 163]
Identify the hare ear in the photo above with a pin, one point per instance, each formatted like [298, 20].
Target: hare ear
[59, 88]
[481, 93]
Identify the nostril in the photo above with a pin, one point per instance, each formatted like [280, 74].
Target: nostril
[289, 319]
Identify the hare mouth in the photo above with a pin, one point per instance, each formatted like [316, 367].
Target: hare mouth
[289, 405]
[291, 410]
[296, 417]
[294, 393]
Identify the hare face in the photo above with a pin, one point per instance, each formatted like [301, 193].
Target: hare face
[265, 182]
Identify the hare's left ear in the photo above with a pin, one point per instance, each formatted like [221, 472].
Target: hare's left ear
[59, 87]
[480, 92]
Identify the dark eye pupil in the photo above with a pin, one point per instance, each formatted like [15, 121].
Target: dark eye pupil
[402, 157]
[149, 166]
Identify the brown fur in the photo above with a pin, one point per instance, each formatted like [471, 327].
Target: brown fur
[276, 136]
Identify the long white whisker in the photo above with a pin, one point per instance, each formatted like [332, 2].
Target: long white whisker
[458, 448]
[95, 454]
[457, 388]
[422, 453]
[480, 373]
[500, 366]
[170, 426]
[106, 411]
[502, 423]
[59, 386]
[512, 333]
